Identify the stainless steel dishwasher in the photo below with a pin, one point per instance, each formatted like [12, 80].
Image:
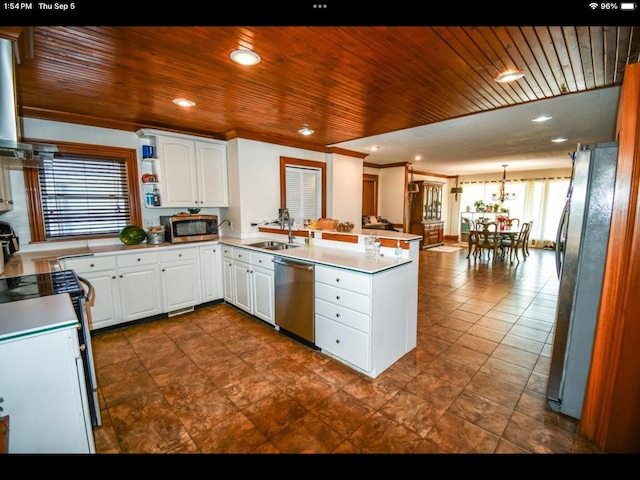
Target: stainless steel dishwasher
[294, 290]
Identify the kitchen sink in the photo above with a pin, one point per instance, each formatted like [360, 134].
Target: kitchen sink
[282, 246]
[271, 245]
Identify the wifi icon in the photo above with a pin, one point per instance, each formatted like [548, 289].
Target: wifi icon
[593, 5]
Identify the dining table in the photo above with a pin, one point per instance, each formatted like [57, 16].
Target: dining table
[509, 231]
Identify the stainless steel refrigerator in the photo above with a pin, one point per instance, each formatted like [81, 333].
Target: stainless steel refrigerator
[581, 251]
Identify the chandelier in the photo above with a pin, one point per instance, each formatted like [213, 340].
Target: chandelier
[503, 195]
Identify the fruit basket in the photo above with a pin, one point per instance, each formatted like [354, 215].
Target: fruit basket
[327, 224]
[344, 227]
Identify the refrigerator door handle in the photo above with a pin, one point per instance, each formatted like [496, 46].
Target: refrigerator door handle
[560, 237]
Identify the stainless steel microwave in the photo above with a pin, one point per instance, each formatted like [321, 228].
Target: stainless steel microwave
[190, 228]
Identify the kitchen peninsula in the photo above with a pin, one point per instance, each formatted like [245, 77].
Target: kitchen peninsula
[365, 307]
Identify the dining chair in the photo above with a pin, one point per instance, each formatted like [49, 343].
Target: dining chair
[473, 235]
[515, 222]
[525, 245]
[511, 245]
[488, 239]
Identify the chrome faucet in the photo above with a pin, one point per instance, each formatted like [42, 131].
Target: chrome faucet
[286, 218]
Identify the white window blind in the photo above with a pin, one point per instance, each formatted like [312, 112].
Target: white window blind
[84, 196]
[304, 196]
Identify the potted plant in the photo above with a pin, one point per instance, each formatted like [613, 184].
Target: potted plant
[479, 204]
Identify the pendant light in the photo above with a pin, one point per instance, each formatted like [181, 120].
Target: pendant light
[503, 195]
[456, 190]
[412, 186]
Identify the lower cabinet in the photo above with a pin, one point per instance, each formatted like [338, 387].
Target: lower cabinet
[44, 394]
[131, 286]
[249, 281]
[362, 319]
[433, 234]
[180, 275]
[211, 273]
[104, 309]
[139, 284]
[343, 317]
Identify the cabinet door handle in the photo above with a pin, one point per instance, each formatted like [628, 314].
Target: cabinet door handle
[337, 340]
[163, 269]
[179, 255]
[337, 297]
[114, 277]
[138, 259]
[120, 276]
[92, 265]
[338, 280]
[337, 315]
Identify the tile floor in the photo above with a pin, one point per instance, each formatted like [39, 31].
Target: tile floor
[219, 381]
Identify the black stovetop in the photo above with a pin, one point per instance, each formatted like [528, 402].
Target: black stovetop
[23, 287]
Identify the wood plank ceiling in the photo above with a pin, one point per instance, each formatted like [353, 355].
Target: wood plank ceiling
[343, 82]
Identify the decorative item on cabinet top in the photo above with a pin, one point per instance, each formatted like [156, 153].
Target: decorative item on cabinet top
[149, 178]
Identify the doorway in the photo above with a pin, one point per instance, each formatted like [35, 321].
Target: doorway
[369, 194]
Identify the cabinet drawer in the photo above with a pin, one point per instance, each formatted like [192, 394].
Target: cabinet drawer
[338, 313]
[356, 282]
[342, 341]
[90, 264]
[227, 251]
[178, 254]
[343, 298]
[262, 260]
[242, 254]
[133, 259]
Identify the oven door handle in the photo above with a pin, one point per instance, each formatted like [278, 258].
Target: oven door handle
[91, 291]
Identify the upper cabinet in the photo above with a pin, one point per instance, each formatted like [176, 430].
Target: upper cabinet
[192, 172]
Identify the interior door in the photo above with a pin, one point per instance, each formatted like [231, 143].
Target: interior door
[369, 194]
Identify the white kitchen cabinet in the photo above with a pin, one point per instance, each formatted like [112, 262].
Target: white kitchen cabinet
[211, 273]
[180, 274]
[42, 379]
[192, 170]
[249, 281]
[101, 272]
[139, 284]
[126, 286]
[263, 286]
[227, 274]
[362, 319]
[6, 200]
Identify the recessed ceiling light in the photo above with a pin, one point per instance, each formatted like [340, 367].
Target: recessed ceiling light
[559, 140]
[509, 76]
[305, 130]
[244, 56]
[417, 158]
[183, 102]
[373, 148]
[542, 118]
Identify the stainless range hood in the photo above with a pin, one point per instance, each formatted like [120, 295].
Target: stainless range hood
[12, 152]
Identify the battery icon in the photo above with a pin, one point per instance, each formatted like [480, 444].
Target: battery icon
[627, 6]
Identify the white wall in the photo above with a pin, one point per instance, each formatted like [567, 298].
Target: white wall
[255, 177]
[346, 193]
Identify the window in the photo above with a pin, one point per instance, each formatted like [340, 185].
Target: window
[539, 200]
[302, 188]
[84, 191]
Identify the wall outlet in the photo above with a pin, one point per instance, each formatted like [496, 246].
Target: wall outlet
[150, 222]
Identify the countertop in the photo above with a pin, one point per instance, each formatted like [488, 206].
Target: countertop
[18, 319]
[40, 261]
[335, 257]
